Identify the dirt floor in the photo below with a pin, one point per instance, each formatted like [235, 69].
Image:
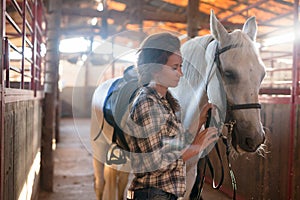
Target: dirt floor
[73, 170]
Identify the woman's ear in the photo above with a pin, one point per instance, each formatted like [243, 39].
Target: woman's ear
[156, 73]
[155, 76]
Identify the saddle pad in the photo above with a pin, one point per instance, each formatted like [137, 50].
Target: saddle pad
[109, 102]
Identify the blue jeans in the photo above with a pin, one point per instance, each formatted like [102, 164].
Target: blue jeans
[153, 194]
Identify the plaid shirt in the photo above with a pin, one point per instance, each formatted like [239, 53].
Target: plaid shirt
[156, 139]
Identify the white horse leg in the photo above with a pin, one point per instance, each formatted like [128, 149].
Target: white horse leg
[110, 178]
[98, 178]
[122, 184]
[115, 183]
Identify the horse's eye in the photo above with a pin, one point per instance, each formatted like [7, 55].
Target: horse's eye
[230, 75]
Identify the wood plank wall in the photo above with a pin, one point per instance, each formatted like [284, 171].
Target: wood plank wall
[22, 146]
[266, 177]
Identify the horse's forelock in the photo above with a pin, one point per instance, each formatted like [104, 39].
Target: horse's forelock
[243, 41]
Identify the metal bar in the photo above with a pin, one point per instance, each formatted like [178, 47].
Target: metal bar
[30, 10]
[39, 33]
[16, 5]
[29, 60]
[12, 22]
[28, 26]
[278, 56]
[274, 100]
[279, 69]
[28, 42]
[23, 42]
[275, 91]
[39, 30]
[34, 47]
[15, 48]
[293, 103]
[6, 61]
[15, 69]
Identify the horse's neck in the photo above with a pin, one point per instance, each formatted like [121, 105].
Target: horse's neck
[191, 91]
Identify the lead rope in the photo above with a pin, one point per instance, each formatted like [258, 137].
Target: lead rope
[225, 141]
[224, 138]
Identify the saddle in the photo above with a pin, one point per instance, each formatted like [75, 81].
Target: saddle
[118, 98]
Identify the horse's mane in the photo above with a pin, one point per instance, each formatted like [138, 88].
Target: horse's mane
[193, 52]
[194, 66]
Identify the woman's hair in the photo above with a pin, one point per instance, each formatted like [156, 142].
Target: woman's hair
[154, 52]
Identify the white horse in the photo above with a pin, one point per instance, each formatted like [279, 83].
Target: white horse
[109, 180]
[222, 67]
[226, 69]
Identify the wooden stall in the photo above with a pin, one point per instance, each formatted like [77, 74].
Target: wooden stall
[22, 96]
[266, 177]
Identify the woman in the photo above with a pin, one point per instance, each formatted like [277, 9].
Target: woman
[159, 145]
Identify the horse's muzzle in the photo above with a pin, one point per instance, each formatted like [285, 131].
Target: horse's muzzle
[251, 144]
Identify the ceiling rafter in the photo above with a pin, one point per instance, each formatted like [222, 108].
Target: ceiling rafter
[245, 9]
[164, 11]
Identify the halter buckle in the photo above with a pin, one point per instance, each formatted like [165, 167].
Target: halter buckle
[230, 125]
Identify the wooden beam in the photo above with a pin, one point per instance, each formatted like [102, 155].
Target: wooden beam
[164, 17]
[51, 94]
[245, 9]
[193, 18]
[2, 102]
[126, 15]
[81, 12]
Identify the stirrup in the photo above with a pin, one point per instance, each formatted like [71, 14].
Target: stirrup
[115, 155]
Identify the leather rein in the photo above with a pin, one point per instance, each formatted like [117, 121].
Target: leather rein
[230, 125]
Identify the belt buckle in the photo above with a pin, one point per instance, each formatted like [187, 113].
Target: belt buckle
[130, 194]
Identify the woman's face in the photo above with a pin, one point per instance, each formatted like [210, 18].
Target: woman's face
[170, 73]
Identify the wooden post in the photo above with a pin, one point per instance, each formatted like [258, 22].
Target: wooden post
[294, 102]
[2, 105]
[141, 18]
[51, 94]
[193, 18]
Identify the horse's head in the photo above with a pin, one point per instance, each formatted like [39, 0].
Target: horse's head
[242, 72]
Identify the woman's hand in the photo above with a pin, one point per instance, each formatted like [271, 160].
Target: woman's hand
[201, 141]
[205, 138]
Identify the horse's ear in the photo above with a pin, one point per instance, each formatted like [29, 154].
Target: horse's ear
[217, 29]
[250, 28]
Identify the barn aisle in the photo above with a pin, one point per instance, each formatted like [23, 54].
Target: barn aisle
[73, 170]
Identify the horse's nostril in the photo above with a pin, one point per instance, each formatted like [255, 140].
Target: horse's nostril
[249, 143]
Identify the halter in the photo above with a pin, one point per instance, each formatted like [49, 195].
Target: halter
[218, 63]
[230, 124]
